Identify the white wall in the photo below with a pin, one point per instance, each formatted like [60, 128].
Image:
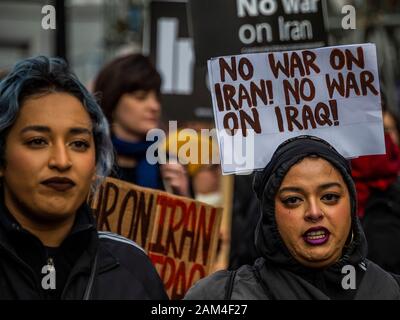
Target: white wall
[21, 23]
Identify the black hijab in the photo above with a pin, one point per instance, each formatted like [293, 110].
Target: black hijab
[266, 183]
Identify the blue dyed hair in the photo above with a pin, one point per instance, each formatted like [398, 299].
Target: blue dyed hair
[42, 75]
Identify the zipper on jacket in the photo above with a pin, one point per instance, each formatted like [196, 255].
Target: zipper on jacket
[50, 271]
[50, 264]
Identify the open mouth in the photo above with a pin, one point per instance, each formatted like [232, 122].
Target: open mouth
[316, 236]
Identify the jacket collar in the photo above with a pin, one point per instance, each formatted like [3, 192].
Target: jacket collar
[84, 222]
[83, 233]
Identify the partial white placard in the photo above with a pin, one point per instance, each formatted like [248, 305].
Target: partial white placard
[263, 99]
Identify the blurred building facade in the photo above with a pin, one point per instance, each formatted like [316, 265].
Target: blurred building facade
[97, 30]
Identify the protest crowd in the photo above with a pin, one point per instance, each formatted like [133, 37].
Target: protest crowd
[200, 150]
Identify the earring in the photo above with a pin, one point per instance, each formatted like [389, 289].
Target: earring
[351, 239]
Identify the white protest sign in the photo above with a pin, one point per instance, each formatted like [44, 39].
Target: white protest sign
[263, 99]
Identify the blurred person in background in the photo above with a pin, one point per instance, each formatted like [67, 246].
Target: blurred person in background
[199, 154]
[206, 184]
[245, 214]
[128, 89]
[375, 173]
[391, 125]
[378, 190]
[186, 146]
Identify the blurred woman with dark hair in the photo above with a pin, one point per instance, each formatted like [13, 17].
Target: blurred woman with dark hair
[129, 93]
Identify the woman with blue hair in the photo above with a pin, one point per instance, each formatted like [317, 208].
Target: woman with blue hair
[54, 150]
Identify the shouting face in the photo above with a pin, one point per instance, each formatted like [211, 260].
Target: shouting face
[313, 212]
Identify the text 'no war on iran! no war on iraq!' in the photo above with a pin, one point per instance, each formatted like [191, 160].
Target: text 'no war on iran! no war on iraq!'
[295, 75]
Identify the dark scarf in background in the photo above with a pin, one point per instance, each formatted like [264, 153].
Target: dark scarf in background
[376, 172]
[147, 175]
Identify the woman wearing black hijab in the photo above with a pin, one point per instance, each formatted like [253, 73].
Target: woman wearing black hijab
[309, 238]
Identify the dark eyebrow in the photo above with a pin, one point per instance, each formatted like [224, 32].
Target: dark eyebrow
[80, 131]
[73, 131]
[321, 187]
[330, 185]
[36, 128]
[291, 189]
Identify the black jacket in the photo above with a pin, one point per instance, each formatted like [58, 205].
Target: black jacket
[89, 264]
[263, 281]
[245, 213]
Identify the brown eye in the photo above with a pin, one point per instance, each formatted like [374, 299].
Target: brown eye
[37, 142]
[291, 201]
[80, 145]
[330, 198]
